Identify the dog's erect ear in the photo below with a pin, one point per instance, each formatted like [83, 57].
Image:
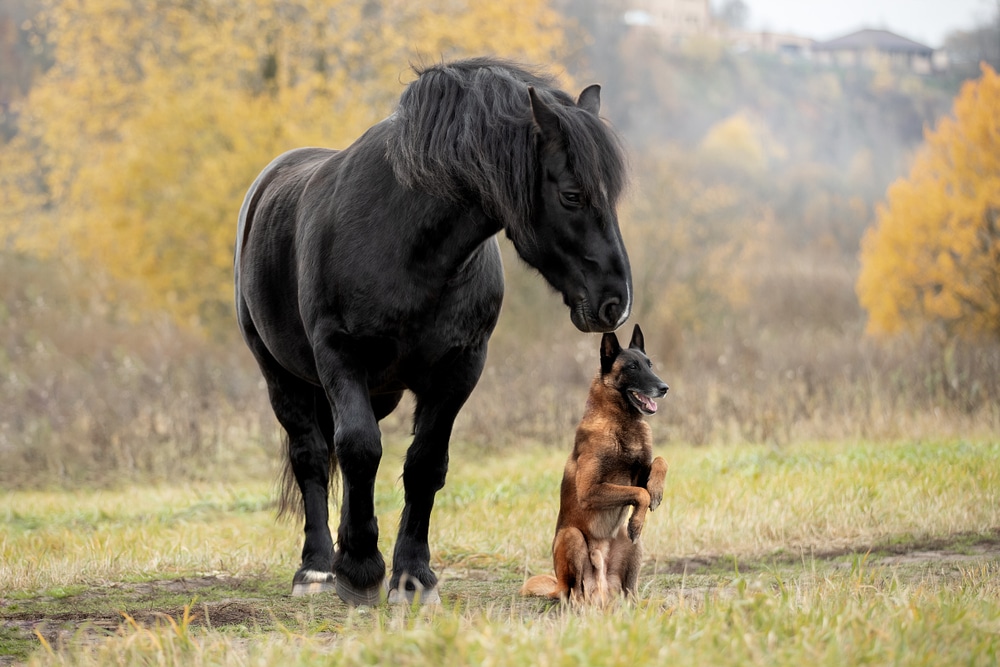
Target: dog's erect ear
[638, 343]
[609, 351]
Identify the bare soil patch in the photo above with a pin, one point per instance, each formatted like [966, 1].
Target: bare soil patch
[957, 548]
[218, 601]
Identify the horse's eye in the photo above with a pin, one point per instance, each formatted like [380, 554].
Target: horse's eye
[571, 199]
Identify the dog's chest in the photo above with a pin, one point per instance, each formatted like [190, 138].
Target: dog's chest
[624, 469]
[627, 462]
[606, 524]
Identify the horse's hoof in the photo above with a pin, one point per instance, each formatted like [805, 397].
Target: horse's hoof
[361, 597]
[310, 582]
[404, 594]
[312, 588]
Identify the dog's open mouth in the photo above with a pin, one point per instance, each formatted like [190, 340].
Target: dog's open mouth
[645, 404]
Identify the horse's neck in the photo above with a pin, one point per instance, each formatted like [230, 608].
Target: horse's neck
[444, 237]
[439, 234]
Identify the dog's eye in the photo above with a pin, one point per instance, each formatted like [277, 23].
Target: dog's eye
[634, 366]
[649, 364]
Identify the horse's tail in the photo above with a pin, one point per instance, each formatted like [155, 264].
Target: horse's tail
[289, 495]
[543, 586]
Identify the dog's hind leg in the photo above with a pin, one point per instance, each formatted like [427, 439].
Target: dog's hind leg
[599, 556]
[624, 564]
[617, 556]
[572, 563]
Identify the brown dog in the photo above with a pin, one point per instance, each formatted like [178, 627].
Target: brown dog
[596, 549]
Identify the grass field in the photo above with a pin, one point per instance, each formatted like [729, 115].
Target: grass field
[820, 554]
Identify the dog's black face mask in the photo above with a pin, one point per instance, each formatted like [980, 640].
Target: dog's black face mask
[632, 371]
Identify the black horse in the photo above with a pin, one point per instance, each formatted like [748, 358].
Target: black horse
[365, 272]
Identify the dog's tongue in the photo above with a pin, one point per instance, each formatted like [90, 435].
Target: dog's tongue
[647, 402]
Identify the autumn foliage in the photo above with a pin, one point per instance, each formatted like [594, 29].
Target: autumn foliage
[135, 148]
[933, 259]
[136, 126]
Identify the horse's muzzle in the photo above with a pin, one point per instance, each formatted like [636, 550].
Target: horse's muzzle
[609, 316]
[610, 313]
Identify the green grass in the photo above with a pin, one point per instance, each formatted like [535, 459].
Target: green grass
[823, 553]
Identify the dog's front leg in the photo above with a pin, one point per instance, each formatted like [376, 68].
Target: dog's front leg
[637, 520]
[655, 482]
[653, 486]
[607, 496]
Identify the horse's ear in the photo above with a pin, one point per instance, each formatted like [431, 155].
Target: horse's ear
[590, 99]
[638, 342]
[609, 351]
[545, 118]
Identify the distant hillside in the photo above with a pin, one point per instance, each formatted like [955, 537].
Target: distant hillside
[814, 113]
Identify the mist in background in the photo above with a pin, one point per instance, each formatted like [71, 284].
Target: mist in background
[757, 168]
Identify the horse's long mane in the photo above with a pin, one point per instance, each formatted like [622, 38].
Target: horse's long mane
[465, 128]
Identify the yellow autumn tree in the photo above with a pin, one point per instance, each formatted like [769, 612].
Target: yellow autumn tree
[933, 257]
[735, 142]
[135, 148]
[693, 244]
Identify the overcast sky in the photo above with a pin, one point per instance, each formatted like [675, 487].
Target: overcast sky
[926, 21]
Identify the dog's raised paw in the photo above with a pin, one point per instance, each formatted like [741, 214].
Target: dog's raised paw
[634, 530]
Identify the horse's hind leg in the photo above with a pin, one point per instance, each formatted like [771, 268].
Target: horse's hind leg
[303, 412]
[424, 471]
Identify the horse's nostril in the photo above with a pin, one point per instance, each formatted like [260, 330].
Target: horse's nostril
[610, 311]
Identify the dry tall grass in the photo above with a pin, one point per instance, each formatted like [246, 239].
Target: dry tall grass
[757, 556]
[792, 364]
[91, 395]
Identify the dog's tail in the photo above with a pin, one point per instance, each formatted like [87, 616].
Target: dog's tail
[542, 585]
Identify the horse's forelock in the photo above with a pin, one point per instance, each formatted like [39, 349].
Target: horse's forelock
[596, 155]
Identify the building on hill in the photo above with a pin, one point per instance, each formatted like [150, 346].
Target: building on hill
[795, 46]
[674, 21]
[878, 48]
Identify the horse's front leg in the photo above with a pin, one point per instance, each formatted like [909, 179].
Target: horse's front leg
[357, 563]
[424, 471]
